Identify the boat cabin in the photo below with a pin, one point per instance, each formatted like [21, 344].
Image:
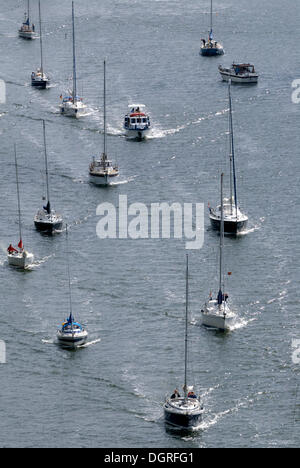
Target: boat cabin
[243, 68]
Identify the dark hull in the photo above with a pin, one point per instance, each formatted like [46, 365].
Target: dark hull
[48, 228]
[211, 52]
[230, 227]
[39, 84]
[185, 421]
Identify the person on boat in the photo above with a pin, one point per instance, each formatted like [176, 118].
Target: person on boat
[192, 395]
[175, 394]
[11, 250]
[33, 27]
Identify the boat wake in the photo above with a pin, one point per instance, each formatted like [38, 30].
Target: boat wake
[40, 262]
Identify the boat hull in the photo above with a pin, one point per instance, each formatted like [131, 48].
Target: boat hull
[21, 261]
[182, 419]
[239, 79]
[27, 35]
[230, 227]
[40, 84]
[48, 228]
[104, 181]
[72, 341]
[211, 52]
[216, 321]
[72, 110]
[137, 134]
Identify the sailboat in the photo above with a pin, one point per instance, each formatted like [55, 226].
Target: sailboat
[19, 257]
[102, 171]
[47, 220]
[216, 312]
[72, 334]
[211, 47]
[234, 220]
[27, 30]
[186, 411]
[72, 105]
[38, 78]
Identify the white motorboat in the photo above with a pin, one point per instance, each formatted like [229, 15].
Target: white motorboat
[102, 171]
[39, 79]
[47, 220]
[239, 73]
[137, 122]
[19, 257]
[72, 105]
[234, 220]
[71, 334]
[216, 313]
[211, 47]
[184, 412]
[27, 30]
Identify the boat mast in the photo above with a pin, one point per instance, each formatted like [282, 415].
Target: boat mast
[220, 295]
[46, 166]
[18, 193]
[211, 16]
[232, 149]
[104, 103]
[186, 327]
[28, 12]
[74, 57]
[41, 41]
[69, 277]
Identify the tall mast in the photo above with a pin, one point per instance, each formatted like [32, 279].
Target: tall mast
[41, 41]
[186, 327]
[104, 93]
[18, 193]
[211, 16]
[74, 57]
[28, 11]
[69, 275]
[46, 167]
[220, 295]
[232, 148]
[230, 160]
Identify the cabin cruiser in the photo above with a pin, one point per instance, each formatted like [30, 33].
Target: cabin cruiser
[72, 334]
[239, 73]
[137, 122]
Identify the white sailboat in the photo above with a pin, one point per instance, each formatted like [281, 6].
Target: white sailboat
[47, 220]
[19, 257]
[72, 105]
[235, 221]
[216, 312]
[102, 171]
[71, 334]
[211, 47]
[39, 79]
[27, 30]
[184, 412]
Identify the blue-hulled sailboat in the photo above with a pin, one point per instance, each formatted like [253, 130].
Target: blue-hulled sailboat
[211, 47]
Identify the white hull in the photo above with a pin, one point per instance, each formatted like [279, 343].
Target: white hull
[72, 340]
[137, 134]
[239, 79]
[73, 110]
[20, 260]
[27, 35]
[216, 321]
[103, 181]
